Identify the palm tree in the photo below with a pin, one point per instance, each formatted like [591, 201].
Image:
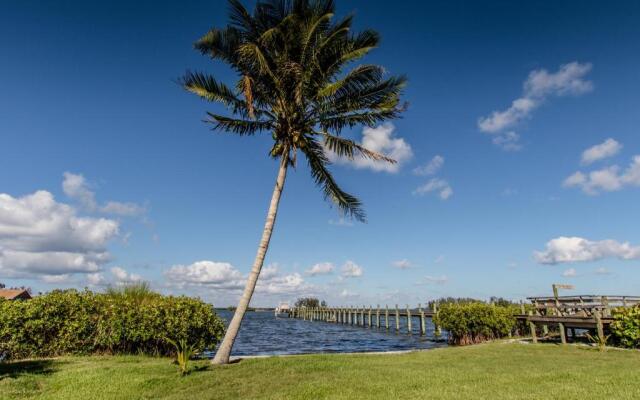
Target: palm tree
[290, 56]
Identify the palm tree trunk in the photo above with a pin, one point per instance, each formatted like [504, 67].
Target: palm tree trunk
[224, 350]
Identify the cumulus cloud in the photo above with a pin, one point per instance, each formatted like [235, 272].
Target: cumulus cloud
[569, 79]
[225, 277]
[351, 270]
[606, 149]
[402, 264]
[570, 273]
[123, 277]
[436, 185]
[218, 275]
[500, 120]
[431, 168]
[96, 279]
[76, 187]
[607, 179]
[507, 141]
[574, 249]
[323, 268]
[40, 236]
[380, 139]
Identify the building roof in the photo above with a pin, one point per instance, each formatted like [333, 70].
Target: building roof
[11, 294]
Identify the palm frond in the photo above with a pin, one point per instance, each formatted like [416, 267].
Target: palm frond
[348, 148]
[220, 44]
[241, 127]
[317, 160]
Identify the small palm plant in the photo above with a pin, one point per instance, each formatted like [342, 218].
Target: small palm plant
[290, 59]
[184, 351]
[600, 341]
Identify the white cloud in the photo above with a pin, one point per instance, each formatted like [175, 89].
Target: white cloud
[287, 284]
[501, 120]
[380, 140]
[123, 277]
[507, 141]
[56, 279]
[218, 275]
[351, 270]
[323, 268]
[76, 187]
[574, 249]
[438, 185]
[39, 236]
[402, 264]
[96, 279]
[606, 149]
[570, 273]
[602, 271]
[438, 280]
[439, 259]
[346, 294]
[607, 179]
[568, 80]
[540, 84]
[224, 277]
[431, 168]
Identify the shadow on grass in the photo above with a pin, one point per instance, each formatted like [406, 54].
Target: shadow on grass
[16, 369]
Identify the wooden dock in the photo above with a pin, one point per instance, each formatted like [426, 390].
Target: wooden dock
[369, 317]
[569, 313]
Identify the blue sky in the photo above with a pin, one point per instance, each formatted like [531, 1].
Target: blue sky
[543, 191]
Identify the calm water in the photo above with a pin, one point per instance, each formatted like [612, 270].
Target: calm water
[262, 333]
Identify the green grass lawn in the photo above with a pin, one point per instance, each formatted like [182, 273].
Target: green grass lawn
[491, 371]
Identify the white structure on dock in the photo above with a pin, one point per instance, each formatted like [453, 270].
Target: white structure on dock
[283, 308]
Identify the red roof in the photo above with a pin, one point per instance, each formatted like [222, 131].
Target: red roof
[12, 294]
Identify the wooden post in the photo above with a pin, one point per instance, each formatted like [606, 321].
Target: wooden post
[599, 326]
[545, 329]
[409, 330]
[369, 316]
[423, 326]
[563, 333]
[532, 328]
[397, 319]
[378, 316]
[435, 314]
[605, 303]
[522, 308]
[386, 316]
[362, 316]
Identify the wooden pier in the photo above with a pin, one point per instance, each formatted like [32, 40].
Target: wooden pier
[369, 317]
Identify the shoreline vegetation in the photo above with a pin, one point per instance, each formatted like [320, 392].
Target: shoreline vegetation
[496, 370]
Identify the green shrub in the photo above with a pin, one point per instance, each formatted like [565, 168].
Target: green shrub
[625, 327]
[470, 323]
[72, 322]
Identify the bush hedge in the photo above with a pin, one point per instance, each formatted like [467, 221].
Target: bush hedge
[74, 322]
[469, 323]
[625, 327]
